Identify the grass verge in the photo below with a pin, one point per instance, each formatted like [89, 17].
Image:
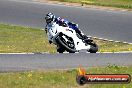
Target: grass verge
[110, 3]
[108, 46]
[60, 79]
[16, 39]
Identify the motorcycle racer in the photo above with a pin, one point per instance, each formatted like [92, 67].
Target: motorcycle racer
[51, 20]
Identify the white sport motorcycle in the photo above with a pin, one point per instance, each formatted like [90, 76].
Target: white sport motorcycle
[68, 40]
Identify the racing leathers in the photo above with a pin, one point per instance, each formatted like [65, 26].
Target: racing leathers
[65, 23]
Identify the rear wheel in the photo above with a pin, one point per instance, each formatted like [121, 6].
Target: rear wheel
[93, 48]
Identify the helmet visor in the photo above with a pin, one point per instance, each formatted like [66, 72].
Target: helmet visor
[48, 19]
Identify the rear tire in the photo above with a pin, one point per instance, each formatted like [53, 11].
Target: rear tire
[93, 48]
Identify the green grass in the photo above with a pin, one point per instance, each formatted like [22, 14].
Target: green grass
[16, 39]
[111, 3]
[107, 46]
[60, 79]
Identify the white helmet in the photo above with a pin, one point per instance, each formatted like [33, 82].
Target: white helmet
[50, 17]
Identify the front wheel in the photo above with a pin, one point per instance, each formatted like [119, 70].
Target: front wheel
[60, 50]
[66, 45]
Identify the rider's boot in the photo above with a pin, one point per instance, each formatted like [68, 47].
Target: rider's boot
[86, 39]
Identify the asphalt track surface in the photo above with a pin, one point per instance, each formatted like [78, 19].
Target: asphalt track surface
[60, 61]
[100, 23]
[112, 25]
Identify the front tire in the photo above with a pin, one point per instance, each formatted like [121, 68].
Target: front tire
[61, 42]
[60, 50]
